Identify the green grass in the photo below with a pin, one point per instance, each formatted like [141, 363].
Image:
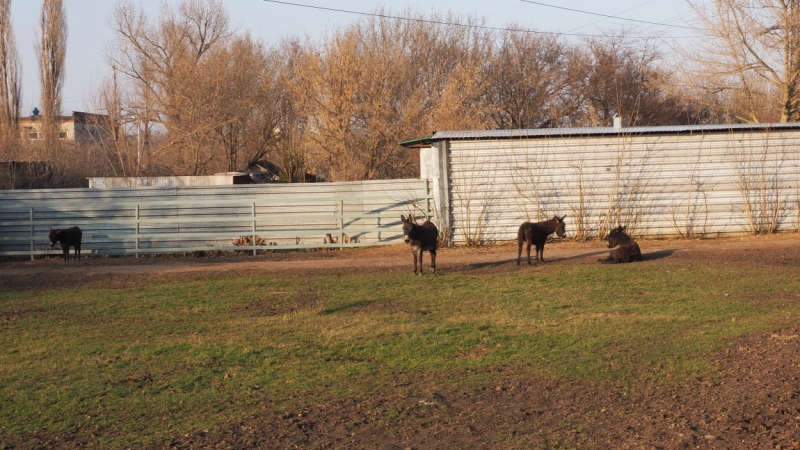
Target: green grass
[171, 356]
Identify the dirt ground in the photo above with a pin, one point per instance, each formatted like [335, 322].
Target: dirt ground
[753, 402]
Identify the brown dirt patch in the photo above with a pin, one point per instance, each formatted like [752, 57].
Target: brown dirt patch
[753, 401]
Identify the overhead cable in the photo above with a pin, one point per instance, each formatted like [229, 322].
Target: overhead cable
[605, 15]
[440, 22]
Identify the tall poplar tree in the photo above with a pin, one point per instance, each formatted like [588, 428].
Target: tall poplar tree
[51, 50]
[10, 75]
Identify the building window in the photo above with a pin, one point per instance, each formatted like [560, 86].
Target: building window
[62, 135]
[35, 136]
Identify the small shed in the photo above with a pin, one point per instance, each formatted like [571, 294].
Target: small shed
[692, 181]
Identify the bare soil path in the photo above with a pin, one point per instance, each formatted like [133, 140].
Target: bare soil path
[31, 274]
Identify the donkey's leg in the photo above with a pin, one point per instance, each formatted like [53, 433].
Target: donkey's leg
[519, 250]
[415, 261]
[421, 266]
[433, 260]
[65, 250]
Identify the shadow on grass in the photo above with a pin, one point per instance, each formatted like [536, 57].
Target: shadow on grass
[652, 256]
[524, 261]
[345, 307]
[584, 255]
[581, 256]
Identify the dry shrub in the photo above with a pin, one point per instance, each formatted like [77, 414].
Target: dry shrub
[247, 241]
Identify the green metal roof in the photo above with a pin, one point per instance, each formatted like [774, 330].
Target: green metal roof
[417, 143]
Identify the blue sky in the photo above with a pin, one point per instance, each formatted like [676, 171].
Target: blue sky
[89, 31]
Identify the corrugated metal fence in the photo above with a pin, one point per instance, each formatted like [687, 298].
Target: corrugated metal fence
[201, 218]
[658, 185]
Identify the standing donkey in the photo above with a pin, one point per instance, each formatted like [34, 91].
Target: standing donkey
[536, 234]
[628, 250]
[68, 237]
[421, 238]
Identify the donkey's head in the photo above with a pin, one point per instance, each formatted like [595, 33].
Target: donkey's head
[408, 227]
[561, 227]
[54, 237]
[617, 236]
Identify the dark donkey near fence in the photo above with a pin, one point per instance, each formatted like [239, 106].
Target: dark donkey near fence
[68, 237]
[536, 234]
[628, 250]
[421, 238]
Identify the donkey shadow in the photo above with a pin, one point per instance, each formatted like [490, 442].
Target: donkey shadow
[661, 254]
[651, 256]
[503, 262]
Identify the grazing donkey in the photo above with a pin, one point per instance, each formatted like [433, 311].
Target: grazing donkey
[536, 234]
[68, 237]
[421, 238]
[628, 250]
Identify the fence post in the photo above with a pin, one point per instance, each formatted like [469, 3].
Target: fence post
[31, 233]
[341, 224]
[427, 199]
[137, 232]
[254, 229]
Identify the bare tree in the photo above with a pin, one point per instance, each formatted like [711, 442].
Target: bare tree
[623, 78]
[209, 90]
[51, 50]
[449, 64]
[371, 84]
[247, 110]
[531, 81]
[122, 137]
[757, 174]
[290, 149]
[360, 97]
[162, 61]
[750, 59]
[10, 76]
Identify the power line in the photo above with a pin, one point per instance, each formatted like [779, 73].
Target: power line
[600, 20]
[605, 15]
[440, 22]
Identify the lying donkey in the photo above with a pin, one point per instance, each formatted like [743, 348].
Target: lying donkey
[628, 250]
[421, 238]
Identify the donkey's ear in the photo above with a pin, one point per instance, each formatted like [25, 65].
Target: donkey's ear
[403, 218]
[412, 219]
[562, 218]
[622, 228]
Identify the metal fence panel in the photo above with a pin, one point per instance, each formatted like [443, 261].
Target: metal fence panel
[195, 218]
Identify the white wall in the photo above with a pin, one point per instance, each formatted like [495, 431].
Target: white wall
[657, 185]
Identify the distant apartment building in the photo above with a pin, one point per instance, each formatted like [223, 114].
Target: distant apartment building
[80, 126]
